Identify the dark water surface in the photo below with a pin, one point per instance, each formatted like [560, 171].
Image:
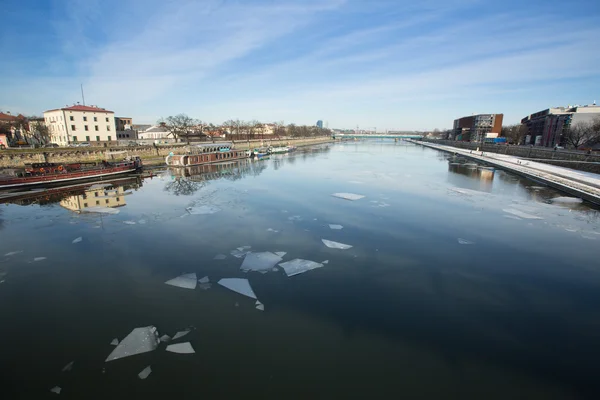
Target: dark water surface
[407, 312]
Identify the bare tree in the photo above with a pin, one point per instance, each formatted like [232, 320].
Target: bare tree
[183, 186]
[278, 129]
[583, 133]
[514, 133]
[179, 126]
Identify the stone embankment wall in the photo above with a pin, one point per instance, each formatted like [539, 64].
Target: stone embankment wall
[563, 158]
[151, 155]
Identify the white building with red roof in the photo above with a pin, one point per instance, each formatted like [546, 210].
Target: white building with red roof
[78, 124]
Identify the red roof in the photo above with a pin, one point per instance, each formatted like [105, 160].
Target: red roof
[86, 108]
[8, 117]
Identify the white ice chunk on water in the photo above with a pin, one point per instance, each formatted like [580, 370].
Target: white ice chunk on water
[335, 245]
[115, 342]
[520, 214]
[201, 210]
[204, 286]
[129, 222]
[68, 367]
[280, 253]
[77, 240]
[142, 221]
[165, 338]
[257, 302]
[181, 348]
[272, 230]
[101, 210]
[325, 262]
[246, 247]
[180, 334]
[465, 241]
[298, 266]
[348, 196]
[140, 340]
[145, 372]
[185, 281]
[567, 200]
[12, 253]
[239, 285]
[260, 261]
[238, 253]
[220, 257]
[260, 307]
[204, 280]
[512, 217]
[39, 258]
[56, 389]
[335, 226]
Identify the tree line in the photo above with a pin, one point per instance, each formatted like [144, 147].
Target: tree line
[183, 127]
[586, 133]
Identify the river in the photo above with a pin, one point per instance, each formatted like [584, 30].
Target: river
[462, 282]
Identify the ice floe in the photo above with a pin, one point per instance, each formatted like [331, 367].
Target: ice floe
[299, 266]
[181, 348]
[142, 221]
[280, 253]
[201, 210]
[204, 286]
[335, 245]
[140, 340]
[68, 367]
[272, 230]
[77, 240]
[295, 218]
[12, 253]
[260, 307]
[465, 241]
[220, 257]
[239, 285]
[204, 280]
[185, 281]
[129, 222]
[520, 214]
[335, 226]
[181, 334]
[39, 259]
[115, 342]
[145, 372]
[260, 261]
[56, 389]
[566, 200]
[325, 262]
[348, 196]
[165, 338]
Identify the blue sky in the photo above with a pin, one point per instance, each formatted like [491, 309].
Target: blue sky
[382, 63]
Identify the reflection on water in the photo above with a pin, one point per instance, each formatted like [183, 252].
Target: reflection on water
[467, 277]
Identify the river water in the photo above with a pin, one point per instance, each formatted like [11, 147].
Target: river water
[461, 282]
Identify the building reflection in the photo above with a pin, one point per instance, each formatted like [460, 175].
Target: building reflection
[479, 177]
[99, 195]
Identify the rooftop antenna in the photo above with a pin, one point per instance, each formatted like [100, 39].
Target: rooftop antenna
[82, 97]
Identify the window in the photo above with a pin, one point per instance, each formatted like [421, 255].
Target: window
[96, 128]
[85, 204]
[109, 139]
[85, 127]
[96, 194]
[106, 119]
[108, 127]
[73, 128]
[85, 118]
[74, 138]
[87, 138]
[95, 119]
[117, 199]
[71, 118]
[84, 196]
[106, 201]
[97, 202]
[97, 138]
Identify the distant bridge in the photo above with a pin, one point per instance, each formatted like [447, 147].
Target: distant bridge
[377, 136]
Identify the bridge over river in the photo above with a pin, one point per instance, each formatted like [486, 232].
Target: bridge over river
[377, 136]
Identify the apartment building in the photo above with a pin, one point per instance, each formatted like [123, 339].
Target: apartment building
[76, 124]
[476, 128]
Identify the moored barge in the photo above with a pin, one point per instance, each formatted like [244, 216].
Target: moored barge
[205, 154]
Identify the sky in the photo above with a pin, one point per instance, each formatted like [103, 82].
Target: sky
[377, 64]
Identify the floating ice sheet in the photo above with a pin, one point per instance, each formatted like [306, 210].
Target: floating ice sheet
[68, 367]
[280, 253]
[260, 307]
[348, 196]
[200, 210]
[204, 286]
[260, 261]
[145, 372]
[101, 210]
[335, 226]
[165, 338]
[325, 262]
[142, 221]
[140, 340]
[185, 281]
[129, 222]
[180, 334]
[239, 285]
[39, 258]
[513, 217]
[298, 266]
[465, 241]
[204, 280]
[12, 253]
[295, 218]
[520, 214]
[115, 342]
[567, 200]
[181, 348]
[220, 257]
[56, 389]
[335, 245]
[77, 240]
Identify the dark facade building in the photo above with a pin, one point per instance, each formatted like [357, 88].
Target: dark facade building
[477, 127]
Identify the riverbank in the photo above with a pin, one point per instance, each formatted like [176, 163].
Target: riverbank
[581, 184]
[150, 155]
